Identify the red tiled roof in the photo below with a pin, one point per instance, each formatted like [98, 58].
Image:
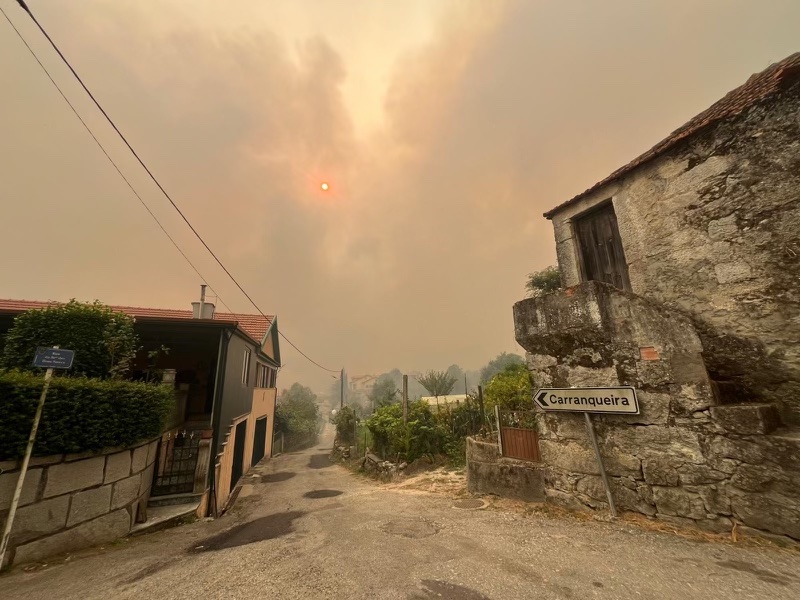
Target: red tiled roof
[253, 325]
[756, 89]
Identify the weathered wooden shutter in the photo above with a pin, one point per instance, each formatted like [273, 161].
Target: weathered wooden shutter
[602, 255]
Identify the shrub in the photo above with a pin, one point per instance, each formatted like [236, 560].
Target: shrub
[345, 421]
[543, 282]
[510, 390]
[297, 415]
[80, 414]
[423, 435]
[103, 340]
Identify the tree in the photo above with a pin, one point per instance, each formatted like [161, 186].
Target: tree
[457, 373]
[510, 389]
[103, 340]
[383, 392]
[543, 282]
[297, 413]
[438, 383]
[498, 364]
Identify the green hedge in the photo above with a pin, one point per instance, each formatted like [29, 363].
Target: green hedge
[79, 414]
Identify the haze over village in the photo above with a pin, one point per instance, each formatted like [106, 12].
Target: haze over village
[358, 299]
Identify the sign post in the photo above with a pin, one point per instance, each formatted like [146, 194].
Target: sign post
[603, 476]
[602, 400]
[49, 358]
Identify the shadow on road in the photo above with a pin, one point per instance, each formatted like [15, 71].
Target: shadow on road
[320, 461]
[277, 477]
[322, 494]
[265, 528]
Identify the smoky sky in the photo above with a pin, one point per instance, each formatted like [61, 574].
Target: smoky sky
[444, 129]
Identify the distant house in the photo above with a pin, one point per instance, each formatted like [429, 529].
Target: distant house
[224, 369]
[362, 383]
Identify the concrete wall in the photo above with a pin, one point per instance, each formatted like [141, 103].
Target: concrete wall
[75, 501]
[490, 473]
[224, 465]
[685, 458]
[263, 405]
[713, 228]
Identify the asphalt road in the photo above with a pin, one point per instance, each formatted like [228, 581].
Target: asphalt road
[304, 528]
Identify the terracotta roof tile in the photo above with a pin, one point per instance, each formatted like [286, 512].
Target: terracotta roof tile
[253, 325]
[756, 89]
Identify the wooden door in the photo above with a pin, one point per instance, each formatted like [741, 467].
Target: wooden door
[602, 255]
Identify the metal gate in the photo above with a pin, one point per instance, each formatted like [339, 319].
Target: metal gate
[238, 453]
[259, 439]
[177, 462]
[518, 437]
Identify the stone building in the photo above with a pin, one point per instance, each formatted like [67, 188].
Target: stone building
[681, 276]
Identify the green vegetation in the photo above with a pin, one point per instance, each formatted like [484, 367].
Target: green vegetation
[297, 415]
[543, 282]
[89, 407]
[499, 364]
[509, 389]
[80, 414]
[103, 340]
[428, 432]
[345, 421]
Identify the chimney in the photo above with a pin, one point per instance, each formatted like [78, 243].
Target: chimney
[202, 309]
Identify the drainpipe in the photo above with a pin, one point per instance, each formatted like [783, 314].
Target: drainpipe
[216, 410]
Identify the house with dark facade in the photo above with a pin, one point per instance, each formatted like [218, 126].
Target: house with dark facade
[223, 368]
[681, 278]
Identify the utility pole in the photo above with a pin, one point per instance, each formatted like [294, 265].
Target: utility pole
[405, 398]
[341, 388]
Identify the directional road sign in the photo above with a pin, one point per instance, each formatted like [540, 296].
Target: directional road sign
[605, 400]
[53, 358]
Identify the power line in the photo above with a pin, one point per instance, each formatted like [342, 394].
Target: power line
[24, 7]
[111, 160]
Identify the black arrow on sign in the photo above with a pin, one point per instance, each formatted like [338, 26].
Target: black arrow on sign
[540, 399]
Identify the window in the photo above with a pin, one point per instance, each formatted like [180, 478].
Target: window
[602, 257]
[265, 376]
[246, 368]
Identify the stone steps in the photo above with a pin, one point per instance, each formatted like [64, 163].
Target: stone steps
[156, 501]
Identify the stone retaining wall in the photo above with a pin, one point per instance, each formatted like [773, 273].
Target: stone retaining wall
[685, 458]
[490, 473]
[75, 501]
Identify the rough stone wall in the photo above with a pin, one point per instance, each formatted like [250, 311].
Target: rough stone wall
[684, 458]
[75, 501]
[488, 472]
[713, 228]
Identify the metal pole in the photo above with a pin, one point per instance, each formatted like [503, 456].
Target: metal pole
[341, 388]
[26, 459]
[590, 427]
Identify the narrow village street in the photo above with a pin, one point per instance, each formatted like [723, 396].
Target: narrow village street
[305, 528]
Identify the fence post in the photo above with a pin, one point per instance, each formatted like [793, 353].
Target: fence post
[499, 433]
[480, 404]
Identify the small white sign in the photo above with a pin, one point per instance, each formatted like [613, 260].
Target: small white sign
[611, 400]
